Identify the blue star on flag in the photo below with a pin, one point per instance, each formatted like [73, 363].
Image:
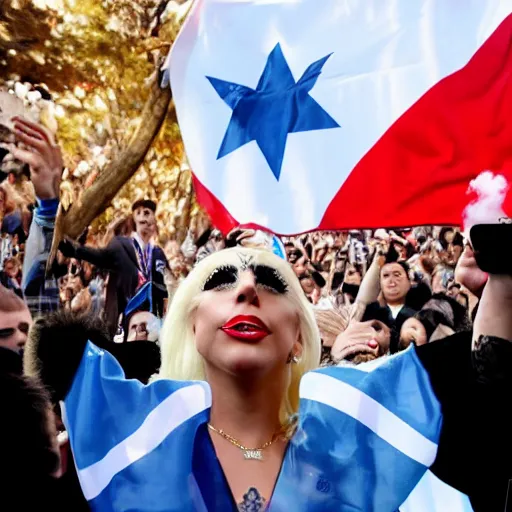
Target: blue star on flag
[277, 107]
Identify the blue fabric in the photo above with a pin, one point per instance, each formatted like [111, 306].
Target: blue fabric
[278, 247]
[46, 212]
[337, 463]
[11, 222]
[277, 107]
[388, 384]
[333, 462]
[143, 296]
[99, 383]
[41, 291]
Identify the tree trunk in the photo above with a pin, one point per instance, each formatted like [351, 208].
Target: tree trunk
[98, 197]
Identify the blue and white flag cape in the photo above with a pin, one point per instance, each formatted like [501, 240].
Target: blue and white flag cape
[364, 443]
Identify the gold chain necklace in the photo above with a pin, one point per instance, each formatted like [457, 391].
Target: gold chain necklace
[249, 453]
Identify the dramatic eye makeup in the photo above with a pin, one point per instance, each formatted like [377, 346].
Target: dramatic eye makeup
[221, 277]
[269, 278]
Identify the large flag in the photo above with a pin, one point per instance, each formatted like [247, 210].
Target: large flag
[329, 114]
[358, 445]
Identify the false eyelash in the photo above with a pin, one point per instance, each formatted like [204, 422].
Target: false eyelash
[221, 278]
[270, 279]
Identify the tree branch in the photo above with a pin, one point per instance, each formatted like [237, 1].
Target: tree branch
[98, 197]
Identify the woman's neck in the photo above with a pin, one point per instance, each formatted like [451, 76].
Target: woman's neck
[246, 410]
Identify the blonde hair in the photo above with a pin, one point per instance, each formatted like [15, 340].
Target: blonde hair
[180, 358]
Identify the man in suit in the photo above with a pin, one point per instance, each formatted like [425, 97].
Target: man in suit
[136, 267]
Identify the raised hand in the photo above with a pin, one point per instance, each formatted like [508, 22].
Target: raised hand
[41, 154]
[468, 274]
[67, 248]
[360, 337]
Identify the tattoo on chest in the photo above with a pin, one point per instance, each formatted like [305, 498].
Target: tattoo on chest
[253, 501]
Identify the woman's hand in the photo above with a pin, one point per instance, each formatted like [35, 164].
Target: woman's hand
[356, 338]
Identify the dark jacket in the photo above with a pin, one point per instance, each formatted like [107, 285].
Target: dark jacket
[28, 457]
[120, 258]
[474, 388]
[375, 311]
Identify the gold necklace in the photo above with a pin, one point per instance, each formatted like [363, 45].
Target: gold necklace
[249, 453]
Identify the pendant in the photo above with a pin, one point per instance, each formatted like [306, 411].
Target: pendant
[253, 455]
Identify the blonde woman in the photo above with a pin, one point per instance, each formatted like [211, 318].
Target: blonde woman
[236, 419]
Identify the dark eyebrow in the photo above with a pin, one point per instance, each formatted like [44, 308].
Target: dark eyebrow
[270, 278]
[221, 277]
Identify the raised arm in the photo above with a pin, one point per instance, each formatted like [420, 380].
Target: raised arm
[472, 378]
[44, 158]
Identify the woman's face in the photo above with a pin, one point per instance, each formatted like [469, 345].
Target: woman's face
[412, 332]
[245, 320]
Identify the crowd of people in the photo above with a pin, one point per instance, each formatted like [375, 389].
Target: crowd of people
[373, 293]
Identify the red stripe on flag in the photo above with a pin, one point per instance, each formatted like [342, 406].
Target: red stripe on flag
[419, 171]
[219, 215]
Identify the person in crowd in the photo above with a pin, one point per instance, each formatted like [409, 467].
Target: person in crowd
[15, 321]
[44, 158]
[31, 478]
[143, 326]
[7, 206]
[30, 455]
[442, 278]
[395, 285]
[209, 242]
[241, 323]
[136, 267]
[425, 326]
[351, 282]
[10, 275]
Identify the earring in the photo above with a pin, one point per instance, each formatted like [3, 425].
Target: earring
[292, 359]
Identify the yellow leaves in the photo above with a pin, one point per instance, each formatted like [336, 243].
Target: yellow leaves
[37, 56]
[79, 92]
[66, 195]
[4, 32]
[95, 57]
[49, 4]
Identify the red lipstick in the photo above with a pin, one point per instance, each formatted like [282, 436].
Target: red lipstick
[246, 328]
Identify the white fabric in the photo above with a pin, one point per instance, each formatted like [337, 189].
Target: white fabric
[433, 495]
[385, 56]
[139, 240]
[395, 310]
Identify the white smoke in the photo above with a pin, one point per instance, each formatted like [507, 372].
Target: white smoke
[487, 208]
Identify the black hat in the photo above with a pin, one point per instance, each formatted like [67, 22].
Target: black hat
[144, 203]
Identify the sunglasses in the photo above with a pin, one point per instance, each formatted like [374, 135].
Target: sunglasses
[7, 332]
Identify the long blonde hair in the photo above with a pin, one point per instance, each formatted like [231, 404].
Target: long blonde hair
[180, 358]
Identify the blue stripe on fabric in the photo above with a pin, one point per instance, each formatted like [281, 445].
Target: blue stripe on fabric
[47, 207]
[45, 212]
[145, 293]
[401, 385]
[160, 481]
[181, 475]
[335, 463]
[103, 408]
